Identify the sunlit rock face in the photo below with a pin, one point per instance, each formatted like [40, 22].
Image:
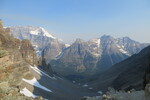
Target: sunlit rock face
[15, 57]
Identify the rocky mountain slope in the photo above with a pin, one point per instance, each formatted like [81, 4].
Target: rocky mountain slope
[127, 74]
[40, 38]
[24, 77]
[53, 49]
[82, 58]
[94, 56]
[37, 35]
[15, 57]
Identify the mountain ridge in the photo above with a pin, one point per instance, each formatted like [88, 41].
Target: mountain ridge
[126, 75]
[92, 56]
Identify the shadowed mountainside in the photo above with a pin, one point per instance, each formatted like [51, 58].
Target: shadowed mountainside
[127, 74]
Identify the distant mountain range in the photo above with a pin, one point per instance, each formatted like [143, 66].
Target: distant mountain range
[96, 55]
[81, 57]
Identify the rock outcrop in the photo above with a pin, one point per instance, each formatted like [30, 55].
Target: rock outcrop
[16, 56]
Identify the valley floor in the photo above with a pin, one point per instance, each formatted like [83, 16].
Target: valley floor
[52, 88]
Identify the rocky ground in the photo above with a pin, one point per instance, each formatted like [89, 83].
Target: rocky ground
[14, 63]
[122, 95]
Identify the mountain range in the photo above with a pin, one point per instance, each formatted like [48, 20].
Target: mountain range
[121, 63]
[81, 58]
[38, 36]
[25, 77]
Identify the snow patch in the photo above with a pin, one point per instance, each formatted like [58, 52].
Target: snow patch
[46, 33]
[40, 72]
[85, 85]
[96, 41]
[94, 45]
[67, 45]
[36, 32]
[35, 83]
[27, 93]
[100, 92]
[39, 53]
[122, 50]
[60, 54]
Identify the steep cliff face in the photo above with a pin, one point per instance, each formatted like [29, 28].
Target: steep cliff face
[45, 65]
[15, 57]
[53, 49]
[27, 51]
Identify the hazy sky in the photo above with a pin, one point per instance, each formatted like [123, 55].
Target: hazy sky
[86, 19]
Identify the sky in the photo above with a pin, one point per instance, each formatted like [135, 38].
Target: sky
[85, 19]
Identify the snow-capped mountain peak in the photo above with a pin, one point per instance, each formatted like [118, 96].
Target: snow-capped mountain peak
[46, 33]
[38, 31]
[38, 36]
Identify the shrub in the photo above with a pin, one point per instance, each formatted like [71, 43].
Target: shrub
[3, 53]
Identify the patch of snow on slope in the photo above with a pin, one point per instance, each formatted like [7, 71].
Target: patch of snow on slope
[40, 72]
[46, 33]
[100, 92]
[39, 53]
[67, 45]
[96, 41]
[94, 45]
[27, 93]
[36, 32]
[122, 50]
[85, 85]
[35, 83]
[59, 55]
